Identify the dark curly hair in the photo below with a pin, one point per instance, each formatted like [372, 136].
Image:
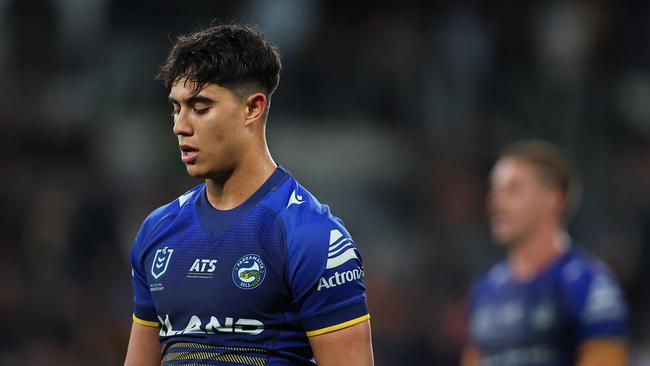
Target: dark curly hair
[237, 57]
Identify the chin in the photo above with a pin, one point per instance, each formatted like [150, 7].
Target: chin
[195, 172]
[501, 237]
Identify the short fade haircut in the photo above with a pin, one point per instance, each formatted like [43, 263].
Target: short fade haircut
[554, 169]
[236, 57]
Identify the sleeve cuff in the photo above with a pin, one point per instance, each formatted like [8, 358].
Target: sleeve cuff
[336, 327]
[336, 320]
[145, 315]
[146, 323]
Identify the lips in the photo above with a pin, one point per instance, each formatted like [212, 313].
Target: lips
[188, 153]
[497, 220]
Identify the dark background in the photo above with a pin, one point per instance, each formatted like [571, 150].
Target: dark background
[392, 112]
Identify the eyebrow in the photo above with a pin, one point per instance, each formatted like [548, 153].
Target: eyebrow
[193, 100]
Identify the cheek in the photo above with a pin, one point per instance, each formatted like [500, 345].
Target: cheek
[507, 202]
[221, 138]
[226, 124]
[527, 209]
[517, 208]
[215, 131]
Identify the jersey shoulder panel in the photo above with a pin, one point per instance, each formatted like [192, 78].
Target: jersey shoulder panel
[163, 216]
[310, 227]
[300, 211]
[144, 312]
[324, 266]
[584, 275]
[495, 277]
[593, 296]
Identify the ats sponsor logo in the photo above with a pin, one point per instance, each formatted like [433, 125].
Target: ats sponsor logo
[340, 278]
[202, 268]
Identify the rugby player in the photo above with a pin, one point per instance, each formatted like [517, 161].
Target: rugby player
[247, 268]
[549, 302]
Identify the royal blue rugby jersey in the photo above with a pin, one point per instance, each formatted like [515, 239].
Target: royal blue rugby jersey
[246, 286]
[542, 322]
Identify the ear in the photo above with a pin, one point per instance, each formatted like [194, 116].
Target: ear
[557, 202]
[255, 107]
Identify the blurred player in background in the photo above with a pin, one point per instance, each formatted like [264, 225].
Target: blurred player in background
[247, 268]
[548, 303]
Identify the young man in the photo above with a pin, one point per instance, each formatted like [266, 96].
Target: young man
[247, 268]
[549, 303]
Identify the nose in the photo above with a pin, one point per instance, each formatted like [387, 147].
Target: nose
[182, 124]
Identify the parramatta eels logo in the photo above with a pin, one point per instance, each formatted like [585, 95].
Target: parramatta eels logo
[161, 261]
[249, 272]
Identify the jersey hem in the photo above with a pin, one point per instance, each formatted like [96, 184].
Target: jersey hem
[340, 326]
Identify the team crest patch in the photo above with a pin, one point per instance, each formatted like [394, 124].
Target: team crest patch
[161, 261]
[249, 272]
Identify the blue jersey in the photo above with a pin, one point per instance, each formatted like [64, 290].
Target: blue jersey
[246, 286]
[542, 322]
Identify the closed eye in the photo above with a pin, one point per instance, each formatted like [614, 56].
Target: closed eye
[201, 110]
[176, 108]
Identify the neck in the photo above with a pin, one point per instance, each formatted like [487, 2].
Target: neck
[230, 189]
[532, 255]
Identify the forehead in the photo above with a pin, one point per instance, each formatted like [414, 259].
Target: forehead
[184, 89]
[511, 169]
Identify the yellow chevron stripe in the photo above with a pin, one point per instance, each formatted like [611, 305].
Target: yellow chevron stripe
[340, 326]
[146, 323]
[209, 346]
[210, 356]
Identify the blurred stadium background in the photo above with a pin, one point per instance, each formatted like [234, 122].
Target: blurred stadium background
[391, 112]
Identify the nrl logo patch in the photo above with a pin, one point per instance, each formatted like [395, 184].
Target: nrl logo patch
[161, 261]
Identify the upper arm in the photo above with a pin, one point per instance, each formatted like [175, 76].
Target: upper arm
[144, 311]
[144, 346]
[600, 314]
[597, 306]
[326, 276]
[602, 352]
[351, 346]
[471, 356]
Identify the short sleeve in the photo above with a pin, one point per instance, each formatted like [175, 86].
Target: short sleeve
[327, 277]
[145, 311]
[598, 306]
[471, 314]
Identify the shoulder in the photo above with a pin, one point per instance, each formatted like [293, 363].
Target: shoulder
[310, 227]
[164, 215]
[591, 288]
[581, 269]
[300, 211]
[493, 278]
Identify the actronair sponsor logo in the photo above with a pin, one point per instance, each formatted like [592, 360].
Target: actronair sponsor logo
[341, 249]
[340, 278]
